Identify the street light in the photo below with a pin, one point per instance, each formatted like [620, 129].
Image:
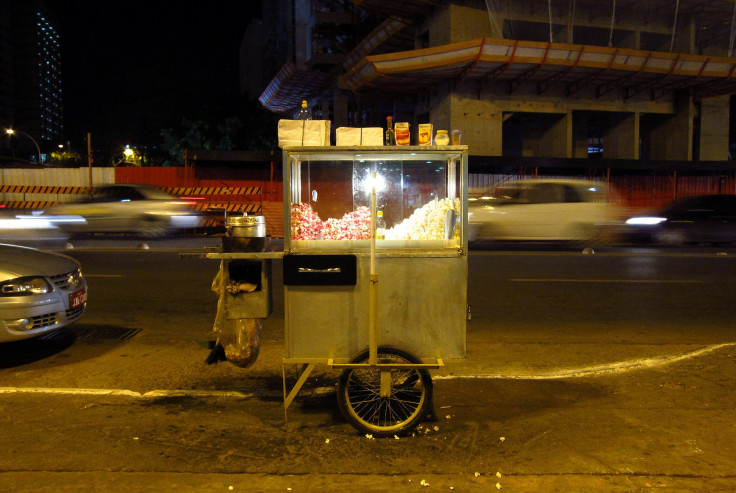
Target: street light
[10, 131]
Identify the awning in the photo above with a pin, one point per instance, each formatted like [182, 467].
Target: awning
[291, 85]
[575, 67]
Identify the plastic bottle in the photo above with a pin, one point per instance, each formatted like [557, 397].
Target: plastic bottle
[304, 112]
[380, 226]
[390, 136]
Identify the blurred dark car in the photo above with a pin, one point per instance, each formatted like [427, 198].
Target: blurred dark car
[701, 219]
[39, 292]
[140, 209]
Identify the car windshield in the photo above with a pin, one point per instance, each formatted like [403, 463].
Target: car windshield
[721, 204]
[542, 193]
[124, 194]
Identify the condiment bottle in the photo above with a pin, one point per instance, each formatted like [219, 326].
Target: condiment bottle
[380, 226]
[390, 136]
[304, 112]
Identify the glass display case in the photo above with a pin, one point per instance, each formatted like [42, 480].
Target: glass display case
[419, 191]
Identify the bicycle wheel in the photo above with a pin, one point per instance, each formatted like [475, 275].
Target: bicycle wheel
[385, 402]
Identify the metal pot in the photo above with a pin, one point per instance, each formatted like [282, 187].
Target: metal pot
[246, 226]
[246, 234]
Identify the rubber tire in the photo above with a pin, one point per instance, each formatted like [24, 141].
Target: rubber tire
[411, 395]
[670, 237]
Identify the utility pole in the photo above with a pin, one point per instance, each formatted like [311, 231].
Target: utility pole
[89, 161]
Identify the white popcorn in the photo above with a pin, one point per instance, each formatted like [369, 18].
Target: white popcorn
[426, 223]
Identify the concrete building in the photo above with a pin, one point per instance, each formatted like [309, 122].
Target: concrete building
[30, 75]
[635, 80]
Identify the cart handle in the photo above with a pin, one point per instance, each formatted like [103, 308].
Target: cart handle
[329, 270]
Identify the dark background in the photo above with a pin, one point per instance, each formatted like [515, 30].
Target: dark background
[131, 68]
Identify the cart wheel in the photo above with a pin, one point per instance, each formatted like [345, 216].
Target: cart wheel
[385, 402]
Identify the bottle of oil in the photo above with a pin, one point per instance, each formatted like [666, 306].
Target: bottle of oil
[390, 136]
[304, 112]
[380, 226]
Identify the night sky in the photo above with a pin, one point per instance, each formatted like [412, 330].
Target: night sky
[133, 67]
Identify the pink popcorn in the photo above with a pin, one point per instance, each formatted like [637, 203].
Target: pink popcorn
[305, 223]
[355, 225]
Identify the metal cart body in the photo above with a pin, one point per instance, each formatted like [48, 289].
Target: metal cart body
[421, 307]
[382, 310]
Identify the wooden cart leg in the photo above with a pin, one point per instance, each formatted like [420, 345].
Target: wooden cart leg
[306, 370]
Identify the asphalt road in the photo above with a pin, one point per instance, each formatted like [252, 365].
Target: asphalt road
[608, 372]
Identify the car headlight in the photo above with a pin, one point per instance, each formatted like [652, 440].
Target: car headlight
[645, 221]
[24, 286]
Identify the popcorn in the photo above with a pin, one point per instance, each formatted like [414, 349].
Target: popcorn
[305, 223]
[354, 225]
[427, 222]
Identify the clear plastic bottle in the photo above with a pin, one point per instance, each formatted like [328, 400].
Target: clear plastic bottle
[304, 112]
[380, 226]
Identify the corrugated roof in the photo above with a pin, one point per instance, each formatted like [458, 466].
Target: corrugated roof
[292, 85]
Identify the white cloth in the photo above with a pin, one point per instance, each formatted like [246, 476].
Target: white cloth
[349, 136]
[304, 133]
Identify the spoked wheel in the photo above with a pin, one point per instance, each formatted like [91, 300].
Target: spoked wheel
[385, 402]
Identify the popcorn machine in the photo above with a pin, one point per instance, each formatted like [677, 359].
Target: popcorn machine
[384, 303]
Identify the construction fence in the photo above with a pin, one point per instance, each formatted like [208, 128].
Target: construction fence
[220, 192]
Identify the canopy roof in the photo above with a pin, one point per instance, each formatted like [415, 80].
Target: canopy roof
[574, 67]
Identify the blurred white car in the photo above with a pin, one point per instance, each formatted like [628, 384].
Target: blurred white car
[39, 292]
[544, 210]
[141, 209]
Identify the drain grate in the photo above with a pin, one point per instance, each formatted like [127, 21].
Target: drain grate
[103, 333]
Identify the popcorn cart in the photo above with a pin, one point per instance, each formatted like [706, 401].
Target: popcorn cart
[384, 303]
[374, 272]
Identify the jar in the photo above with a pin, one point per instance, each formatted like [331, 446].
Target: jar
[441, 138]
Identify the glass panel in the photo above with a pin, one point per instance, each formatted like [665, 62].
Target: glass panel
[419, 198]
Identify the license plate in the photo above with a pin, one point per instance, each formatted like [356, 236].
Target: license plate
[78, 298]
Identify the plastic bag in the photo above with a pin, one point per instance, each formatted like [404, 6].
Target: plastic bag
[241, 340]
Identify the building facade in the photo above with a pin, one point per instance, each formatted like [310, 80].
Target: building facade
[30, 75]
[646, 80]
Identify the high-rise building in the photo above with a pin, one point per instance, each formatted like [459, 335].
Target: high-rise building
[646, 80]
[30, 73]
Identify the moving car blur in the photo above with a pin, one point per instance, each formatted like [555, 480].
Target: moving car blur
[40, 292]
[140, 209]
[699, 219]
[545, 210]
